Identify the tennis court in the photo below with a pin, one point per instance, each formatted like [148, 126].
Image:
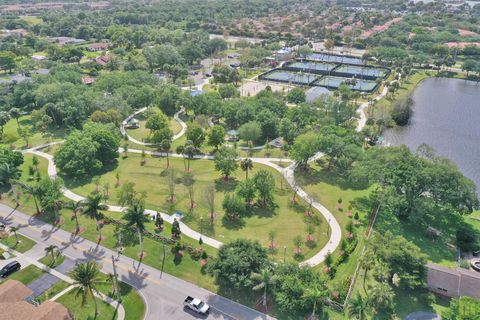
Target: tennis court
[360, 72]
[289, 77]
[335, 82]
[310, 66]
[334, 58]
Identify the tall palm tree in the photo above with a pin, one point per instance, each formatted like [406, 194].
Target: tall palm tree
[357, 308]
[76, 207]
[15, 113]
[165, 146]
[91, 209]
[4, 117]
[246, 165]
[33, 190]
[14, 230]
[51, 249]
[87, 276]
[265, 278]
[315, 295]
[135, 217]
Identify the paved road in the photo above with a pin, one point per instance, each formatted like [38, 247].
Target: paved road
[163, 296]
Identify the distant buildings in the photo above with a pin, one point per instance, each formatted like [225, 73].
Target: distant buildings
[97, 47]
[66, 40]
[102, 60]
[19, 33]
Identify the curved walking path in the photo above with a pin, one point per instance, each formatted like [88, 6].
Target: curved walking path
[288, 173]
[176, 116]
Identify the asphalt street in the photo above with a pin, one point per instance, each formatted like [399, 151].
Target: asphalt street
[163, 296]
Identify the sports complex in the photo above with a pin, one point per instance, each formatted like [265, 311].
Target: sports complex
[329, 71]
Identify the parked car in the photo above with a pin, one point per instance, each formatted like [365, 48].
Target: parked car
[10, 268]
[196, 305]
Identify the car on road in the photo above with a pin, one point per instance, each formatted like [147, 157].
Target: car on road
[10, 268]
[196, 305]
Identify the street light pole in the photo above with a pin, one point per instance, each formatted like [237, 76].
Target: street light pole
[115, 275]
[284, 253]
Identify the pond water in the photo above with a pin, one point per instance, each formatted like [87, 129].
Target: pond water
[446, 117]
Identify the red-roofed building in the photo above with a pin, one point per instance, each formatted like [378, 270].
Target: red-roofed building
[102, 60]
[462, 44]
[88, 80]
[96, 47]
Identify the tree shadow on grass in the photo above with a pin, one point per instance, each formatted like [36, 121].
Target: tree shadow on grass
[74, 182]
[233, 224]
[222, 185]
[313, 176]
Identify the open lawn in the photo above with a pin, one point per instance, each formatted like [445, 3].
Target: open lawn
[53, 291]
[50, 262]
[32, 20]
[72, 303]
[142, 133]
[26, 275]
[152, 178]
[24, 244]
[11, 136]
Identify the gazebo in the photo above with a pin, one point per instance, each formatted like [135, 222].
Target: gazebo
[233, 135]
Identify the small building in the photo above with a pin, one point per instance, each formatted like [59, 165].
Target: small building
[233, 135]
[453, 282]
[38, 57]
[97, 47]
[15, 305]
[132, 124]
[88, 80]
[284, 54]
[66, 40]
[102, 60]
[314, 93]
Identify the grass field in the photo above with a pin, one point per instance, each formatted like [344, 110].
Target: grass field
[143, 133]
[26, 275]
[24, 244]
[32, 20]
[72, 303]
[50, 262]
[11, 136]
[152, 179]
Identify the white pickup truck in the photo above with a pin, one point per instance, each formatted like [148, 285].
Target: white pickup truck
[196, 305]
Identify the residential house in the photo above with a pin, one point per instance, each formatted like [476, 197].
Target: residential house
[16, 304]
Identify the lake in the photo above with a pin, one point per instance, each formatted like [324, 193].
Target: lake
[447, 117]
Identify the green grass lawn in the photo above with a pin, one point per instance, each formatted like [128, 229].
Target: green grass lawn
[406, 89]
[32, 20]
[53, 291]
[72, 303]
[142, 133]
[24, 244]
[26, 275]
[11, 136]
[50, 262]
[151, 178]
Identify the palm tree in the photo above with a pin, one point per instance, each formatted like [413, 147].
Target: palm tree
[34, 192]
[91, 208]
[181, 150]
[264, 279]
[381, 296]
[165, 146]
[51, 249]
[113, 281]
[76, 207]
[14, 230]
[87, 276]
[15, 113]
[246, 165]
[357, 308]
[315, 295]
[8, 173]
[136, 218]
